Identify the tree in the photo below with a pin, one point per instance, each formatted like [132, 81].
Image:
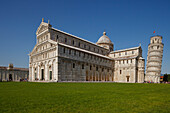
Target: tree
[165, 79]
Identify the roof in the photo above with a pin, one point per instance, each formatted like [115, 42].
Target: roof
[100, 55]
[156, 36]
[15, 68]
[128, 49]
[125, 58]
[77, 37]
[104, 39]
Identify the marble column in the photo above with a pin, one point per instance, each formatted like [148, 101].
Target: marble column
[54, 70]
[4, 76]
[33, 78]
[30, 73]
[46, 72]
[0, 76]
[38, 72]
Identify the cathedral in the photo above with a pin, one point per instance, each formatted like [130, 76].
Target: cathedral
[59, 57]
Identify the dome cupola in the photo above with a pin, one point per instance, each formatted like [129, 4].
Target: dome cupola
[105, 42]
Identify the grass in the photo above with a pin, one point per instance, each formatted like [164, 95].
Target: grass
[20, 97]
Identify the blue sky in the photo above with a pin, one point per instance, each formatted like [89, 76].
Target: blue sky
[126, 22]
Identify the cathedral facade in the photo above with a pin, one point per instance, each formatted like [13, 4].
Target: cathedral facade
[60, 56]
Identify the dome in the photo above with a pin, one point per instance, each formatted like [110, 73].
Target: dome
[104, 39]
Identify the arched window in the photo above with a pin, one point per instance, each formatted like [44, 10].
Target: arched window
[82, 66]
[96, 68]
[157, 47]
[73, 65]
[120, 71]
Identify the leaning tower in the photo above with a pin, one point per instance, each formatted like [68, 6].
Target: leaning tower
[154, 59]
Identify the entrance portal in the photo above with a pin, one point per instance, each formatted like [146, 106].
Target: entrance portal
[42, 74]
[10, 77]
[127, 78]
[50, 75]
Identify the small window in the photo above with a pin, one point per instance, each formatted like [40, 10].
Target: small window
[102, 69]
[64, 50]
[69, 51]
[157, 47]
[82, 66]
[73, 65]
[123, 61]
[119, 62]
[75, 52]
[125, 53]
[79, 44]
[132, 52]
[84, 45]
[120, 71]
[73, 42]
[119, 54]
[127, 61]
[131, 60]
[90, 67]
[65, 40]
[79, 54]
[89, 47]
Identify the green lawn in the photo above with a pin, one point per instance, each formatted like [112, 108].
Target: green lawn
[22, 97]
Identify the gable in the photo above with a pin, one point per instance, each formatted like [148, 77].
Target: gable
[43, 26]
